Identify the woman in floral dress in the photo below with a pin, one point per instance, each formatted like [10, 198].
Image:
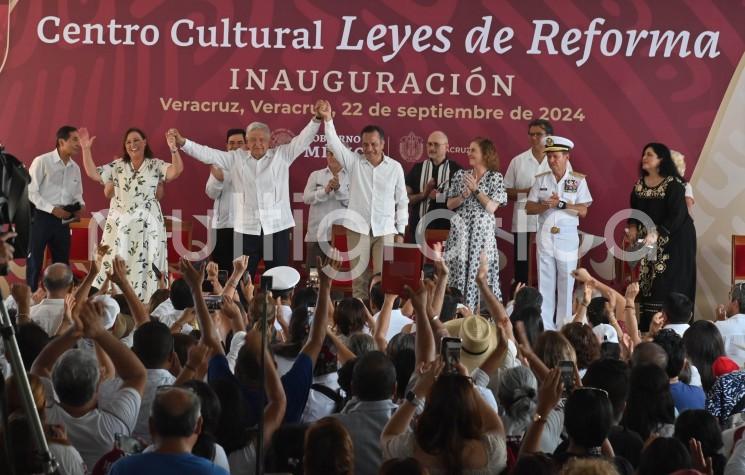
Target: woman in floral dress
[475, 195]
[134, 226]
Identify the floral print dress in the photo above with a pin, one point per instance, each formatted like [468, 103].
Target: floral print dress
[473, 231]
[134, 228]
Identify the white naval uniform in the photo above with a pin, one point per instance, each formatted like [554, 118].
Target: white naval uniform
[557, 243]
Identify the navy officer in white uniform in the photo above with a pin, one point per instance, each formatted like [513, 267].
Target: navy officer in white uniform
[559, 197]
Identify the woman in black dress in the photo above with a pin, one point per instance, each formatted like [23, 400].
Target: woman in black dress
[671, 265]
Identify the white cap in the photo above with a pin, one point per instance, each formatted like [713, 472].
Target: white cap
[605, 333]
[554, 143]
[283, 277]
[111, 309]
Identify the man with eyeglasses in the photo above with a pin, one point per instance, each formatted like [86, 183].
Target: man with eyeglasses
[731, 323]
[427, 183]
[220, 189]
[520, 176]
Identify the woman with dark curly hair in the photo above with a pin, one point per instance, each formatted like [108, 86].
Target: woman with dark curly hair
[457, 431]
[660, 195]
[585, 343]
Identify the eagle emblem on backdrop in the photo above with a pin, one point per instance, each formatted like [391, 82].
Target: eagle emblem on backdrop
[411, 147]
[281, 137]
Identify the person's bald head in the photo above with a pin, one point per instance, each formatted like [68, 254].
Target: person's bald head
[57, 278]
[649, 353]
[437, 146]
[176, 413]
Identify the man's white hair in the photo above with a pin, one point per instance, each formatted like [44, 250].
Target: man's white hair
[258, 126]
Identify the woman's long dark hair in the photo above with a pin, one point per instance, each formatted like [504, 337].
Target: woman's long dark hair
[147, 153]
[650, 403]
[450, 418]
[299, 329]
[704, 345]
[667, 166]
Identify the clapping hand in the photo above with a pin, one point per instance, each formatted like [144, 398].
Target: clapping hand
[91, 317]
[471, 183]
[118, 273]
[553, 201]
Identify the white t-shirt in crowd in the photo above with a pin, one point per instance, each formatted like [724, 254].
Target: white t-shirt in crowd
[93, 434]
[48, 314]
[155, 378]
[69, 459]
[318, 405]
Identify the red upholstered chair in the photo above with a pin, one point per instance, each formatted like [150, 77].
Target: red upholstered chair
[339, 241]
[738, 258]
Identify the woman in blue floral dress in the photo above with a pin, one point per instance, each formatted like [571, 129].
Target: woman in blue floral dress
[134, 227]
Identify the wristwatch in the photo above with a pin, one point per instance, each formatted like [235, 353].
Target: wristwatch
[476, 192]
[537, 418]
[412, 398]
[562, 204]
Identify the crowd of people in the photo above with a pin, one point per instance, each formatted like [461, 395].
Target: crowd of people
[205, 371]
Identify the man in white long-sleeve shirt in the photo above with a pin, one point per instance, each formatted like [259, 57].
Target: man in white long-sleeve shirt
[261, 187]
[57, 192]
[327, 191]
[220, 188]
[378, 204]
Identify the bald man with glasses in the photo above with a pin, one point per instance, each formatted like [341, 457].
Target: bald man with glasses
[427, 183]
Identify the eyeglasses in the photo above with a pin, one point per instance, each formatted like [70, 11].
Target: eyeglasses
[435, 144]
[537, 134]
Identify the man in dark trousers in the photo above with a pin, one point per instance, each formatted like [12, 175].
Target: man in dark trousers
[57, 192]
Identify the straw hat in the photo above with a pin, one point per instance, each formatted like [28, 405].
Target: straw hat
[478, 339]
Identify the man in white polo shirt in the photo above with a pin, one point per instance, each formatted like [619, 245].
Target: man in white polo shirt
[378, 203]
[559, 197]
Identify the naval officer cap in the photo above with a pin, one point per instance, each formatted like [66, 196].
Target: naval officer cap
[554, 143]
[283, 277]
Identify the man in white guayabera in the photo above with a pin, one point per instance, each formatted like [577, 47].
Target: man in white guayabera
[260, 175]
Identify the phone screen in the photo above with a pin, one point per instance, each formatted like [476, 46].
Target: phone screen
[567, 376]
[450, 353]
[129, 445]
[214, 302]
